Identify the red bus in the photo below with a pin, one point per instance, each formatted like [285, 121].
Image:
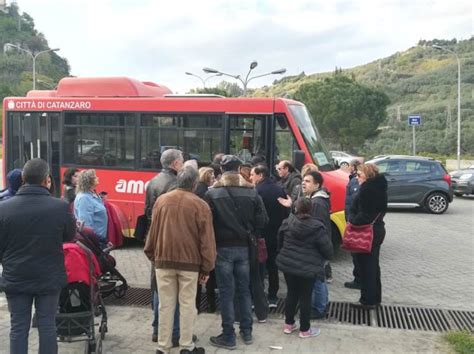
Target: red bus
[120, 127]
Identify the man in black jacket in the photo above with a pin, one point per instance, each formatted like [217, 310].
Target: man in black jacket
[352, 189]
[237, 211]
[270, 192]
[33, 226]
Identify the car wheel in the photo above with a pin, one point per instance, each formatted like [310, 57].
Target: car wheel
[344, 164]
[437, 203]
[458, 194]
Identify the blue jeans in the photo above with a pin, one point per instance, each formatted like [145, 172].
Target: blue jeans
[233, 277]
[46, 306]
[320, 297]
[156, 316]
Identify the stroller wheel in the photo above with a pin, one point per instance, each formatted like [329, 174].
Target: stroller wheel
[103, 330]
[98, 346]
[90, 347]
[120, 291]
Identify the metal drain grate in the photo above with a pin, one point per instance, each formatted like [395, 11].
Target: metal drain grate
[385, 316]
[133, 297]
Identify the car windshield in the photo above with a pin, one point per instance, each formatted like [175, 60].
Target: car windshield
[318, 150]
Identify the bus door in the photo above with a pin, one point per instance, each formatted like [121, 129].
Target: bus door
[247, 136]
[34, 135]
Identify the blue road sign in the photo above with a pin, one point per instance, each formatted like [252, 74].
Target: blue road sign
[414, 120]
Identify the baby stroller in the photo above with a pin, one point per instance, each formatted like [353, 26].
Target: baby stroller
[110, 280]
[80, 301]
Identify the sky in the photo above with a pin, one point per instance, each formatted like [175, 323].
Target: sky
[158, 40]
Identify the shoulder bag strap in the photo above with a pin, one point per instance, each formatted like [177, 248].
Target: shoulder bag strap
[238, 212]
[373, 222]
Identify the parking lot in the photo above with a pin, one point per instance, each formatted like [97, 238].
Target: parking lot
[426, 260]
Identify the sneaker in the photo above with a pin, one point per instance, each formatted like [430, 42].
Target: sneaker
[312, 332]
[247, 338]
[221, 342]
[272, 303]
[290, 328]
[263, 320]
[329, 280]
[196, 350]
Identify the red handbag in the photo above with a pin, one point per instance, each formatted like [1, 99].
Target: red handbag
[359, 238]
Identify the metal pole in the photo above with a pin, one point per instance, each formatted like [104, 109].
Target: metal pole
[34, 72]
[414, 141]
[459, 112]
[459, 101]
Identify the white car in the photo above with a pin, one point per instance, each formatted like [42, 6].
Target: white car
[343, 159]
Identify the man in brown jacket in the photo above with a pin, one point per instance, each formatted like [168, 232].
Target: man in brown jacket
[181, 243]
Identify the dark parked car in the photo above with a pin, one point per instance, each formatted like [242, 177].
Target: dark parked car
[416, 182]
[463, 181]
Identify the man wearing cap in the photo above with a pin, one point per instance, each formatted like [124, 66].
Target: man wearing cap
[237, 211]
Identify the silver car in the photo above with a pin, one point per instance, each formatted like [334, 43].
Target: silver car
[463, 181]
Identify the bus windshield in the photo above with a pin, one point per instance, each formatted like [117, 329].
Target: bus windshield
[313, 140]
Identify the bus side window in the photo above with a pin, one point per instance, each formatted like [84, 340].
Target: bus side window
[284, 140]
[99, 139]
[198, 136]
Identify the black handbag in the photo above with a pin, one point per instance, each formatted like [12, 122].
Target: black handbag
[141, 229]
[251, 238]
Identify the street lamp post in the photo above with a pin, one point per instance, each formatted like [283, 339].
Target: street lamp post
[33, 56]
[200, 77]
[459, 101]
[245, 81]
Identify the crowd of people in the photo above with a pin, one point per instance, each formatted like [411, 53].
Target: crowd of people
[231, 212]
[226, 227]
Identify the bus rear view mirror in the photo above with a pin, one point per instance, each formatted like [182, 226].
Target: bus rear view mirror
[298, 159]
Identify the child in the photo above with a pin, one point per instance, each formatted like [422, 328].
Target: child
[304, 246]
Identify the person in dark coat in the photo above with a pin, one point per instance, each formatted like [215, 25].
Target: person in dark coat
[270, 191]
[352, 189]
[312, 188]
[14, 183]
[70, 181]
[305, 246]
[206, 180]
[237, 210]
[33, 227]
[290, 178]
[370, 206]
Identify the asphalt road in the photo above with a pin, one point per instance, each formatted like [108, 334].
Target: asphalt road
[426, 260]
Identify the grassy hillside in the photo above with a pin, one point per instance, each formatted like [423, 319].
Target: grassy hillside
[420, 80]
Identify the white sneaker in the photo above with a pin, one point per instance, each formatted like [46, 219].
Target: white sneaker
[312, 332]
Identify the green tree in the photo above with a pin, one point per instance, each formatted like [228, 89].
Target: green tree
[346, 112]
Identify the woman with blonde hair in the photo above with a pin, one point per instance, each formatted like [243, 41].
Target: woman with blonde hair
[369, 206]
[206, 180]
[88, 205]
